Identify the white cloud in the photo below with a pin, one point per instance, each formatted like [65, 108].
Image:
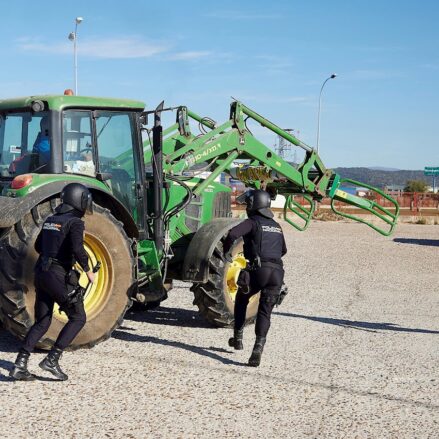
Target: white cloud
[190, 55]
[123, 47]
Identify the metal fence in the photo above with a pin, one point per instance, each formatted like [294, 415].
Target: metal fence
[410, 202]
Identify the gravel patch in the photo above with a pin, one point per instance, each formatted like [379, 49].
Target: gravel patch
[353, 352]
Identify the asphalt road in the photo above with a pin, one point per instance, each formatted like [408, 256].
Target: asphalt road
[353, 353]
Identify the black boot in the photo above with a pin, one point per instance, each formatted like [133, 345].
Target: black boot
[255, 358]
[20, 372]
[236, 341]
[50, 364]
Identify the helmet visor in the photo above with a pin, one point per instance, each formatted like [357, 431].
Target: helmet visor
[242, 199]
[89, 207]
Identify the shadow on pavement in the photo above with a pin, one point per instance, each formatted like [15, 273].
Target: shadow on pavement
[430, 242]
[168, 316]
[8, 343]
[206, 352]
[367, 326]
[4, 374]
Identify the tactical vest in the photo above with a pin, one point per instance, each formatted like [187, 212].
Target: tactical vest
[267, 243]
[54, 244]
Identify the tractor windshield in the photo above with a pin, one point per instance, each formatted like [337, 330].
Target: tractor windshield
[24, 143]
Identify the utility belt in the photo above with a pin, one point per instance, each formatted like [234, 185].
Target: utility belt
[46, 263]
[276, 265]
[257, 263]
[243, 281]
[75, 292]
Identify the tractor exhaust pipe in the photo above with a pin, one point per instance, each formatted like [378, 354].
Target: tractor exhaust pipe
[157, 179]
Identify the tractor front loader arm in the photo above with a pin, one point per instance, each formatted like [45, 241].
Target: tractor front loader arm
[318, 182]
[221, 145]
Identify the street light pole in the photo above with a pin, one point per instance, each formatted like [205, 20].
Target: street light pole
[334, 75]
[73, 36]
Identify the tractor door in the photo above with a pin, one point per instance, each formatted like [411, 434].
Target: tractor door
[116, 141]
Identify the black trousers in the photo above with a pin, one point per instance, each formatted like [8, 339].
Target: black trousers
[268, 281]
[50, 287]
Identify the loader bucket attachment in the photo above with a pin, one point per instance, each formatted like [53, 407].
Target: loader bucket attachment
[305, 214]
[387, 215]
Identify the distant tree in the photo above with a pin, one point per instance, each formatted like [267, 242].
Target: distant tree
[416, 186]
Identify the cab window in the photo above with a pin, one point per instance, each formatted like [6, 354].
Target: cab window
[78, 143]
[115, 138]
[24, 143]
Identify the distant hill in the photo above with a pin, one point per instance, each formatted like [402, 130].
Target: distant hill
[381, 168]
[380, 178]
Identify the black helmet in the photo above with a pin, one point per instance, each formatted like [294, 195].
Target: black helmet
[258, 201]
[76, 196]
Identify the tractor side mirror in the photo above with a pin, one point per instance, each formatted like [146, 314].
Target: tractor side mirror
[144, 118]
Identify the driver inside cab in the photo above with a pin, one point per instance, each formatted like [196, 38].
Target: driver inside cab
[42, 142]
[40, 155]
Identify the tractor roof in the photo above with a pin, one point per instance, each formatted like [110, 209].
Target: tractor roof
[59, 102]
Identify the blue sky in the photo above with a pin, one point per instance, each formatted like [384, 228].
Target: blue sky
[381, 110]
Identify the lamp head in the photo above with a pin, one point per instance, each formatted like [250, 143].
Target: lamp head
[334, 75]
[79, 20]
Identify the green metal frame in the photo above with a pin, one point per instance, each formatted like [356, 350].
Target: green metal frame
[291, 205]
[230, 141]
[371, 206]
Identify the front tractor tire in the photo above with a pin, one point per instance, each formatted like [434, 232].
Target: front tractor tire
[108, 298]
[215, 299]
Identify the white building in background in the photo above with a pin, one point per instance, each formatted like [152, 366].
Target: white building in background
[279, 202]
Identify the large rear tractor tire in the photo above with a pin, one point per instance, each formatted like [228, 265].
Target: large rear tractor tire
[216, 298]
[106, 301]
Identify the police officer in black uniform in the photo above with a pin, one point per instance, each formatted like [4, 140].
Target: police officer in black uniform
[264, 246]
[60, 244]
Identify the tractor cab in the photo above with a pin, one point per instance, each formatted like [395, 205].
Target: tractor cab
[94, 139]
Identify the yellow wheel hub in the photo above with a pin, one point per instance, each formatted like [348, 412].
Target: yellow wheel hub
[97, 293]
[232, 274]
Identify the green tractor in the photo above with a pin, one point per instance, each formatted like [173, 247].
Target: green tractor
[158, 217]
